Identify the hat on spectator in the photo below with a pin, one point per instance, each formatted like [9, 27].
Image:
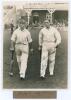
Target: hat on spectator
[46, 21]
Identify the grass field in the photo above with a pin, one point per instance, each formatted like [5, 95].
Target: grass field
[58, 81]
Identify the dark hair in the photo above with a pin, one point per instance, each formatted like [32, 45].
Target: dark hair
[21, 20]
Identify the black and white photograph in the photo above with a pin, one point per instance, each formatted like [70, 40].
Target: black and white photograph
[35, 45]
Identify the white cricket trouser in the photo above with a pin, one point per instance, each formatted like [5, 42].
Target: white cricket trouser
[22, 58]
[22, 63]
[47, 54]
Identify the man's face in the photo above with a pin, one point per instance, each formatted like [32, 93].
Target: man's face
[47, 24]
[22, 25]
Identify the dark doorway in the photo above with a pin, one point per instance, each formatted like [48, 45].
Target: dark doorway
[60, 16]
[38, 16]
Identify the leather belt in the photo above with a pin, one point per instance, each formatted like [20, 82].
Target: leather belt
[21, 43]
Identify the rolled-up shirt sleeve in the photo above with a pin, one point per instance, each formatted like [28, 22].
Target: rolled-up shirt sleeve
[29, 38]
[14, 36]
[40, 38]
[58, 37]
